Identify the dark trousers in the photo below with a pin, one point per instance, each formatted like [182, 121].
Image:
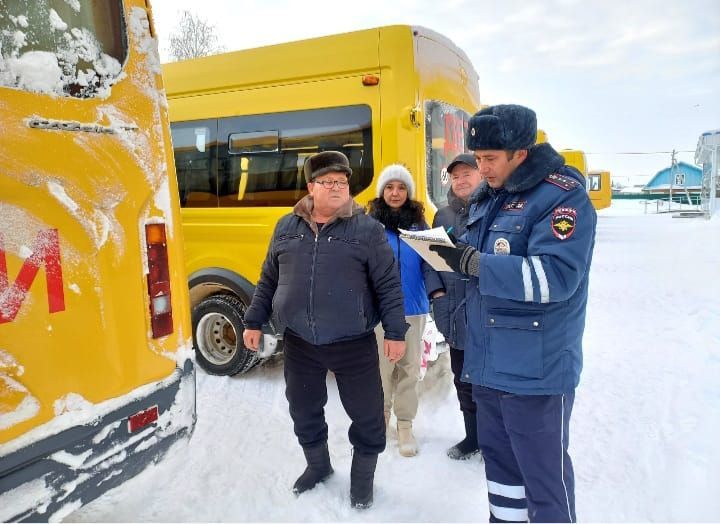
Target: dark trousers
[524, 441]
[357, 373]
[464, 389]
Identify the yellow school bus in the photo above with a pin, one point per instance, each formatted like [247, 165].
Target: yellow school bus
[244, 122]
[599, 188]
[96, 378]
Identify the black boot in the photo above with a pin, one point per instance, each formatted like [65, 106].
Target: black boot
[318, 468]
[362, 475]
[468, 446]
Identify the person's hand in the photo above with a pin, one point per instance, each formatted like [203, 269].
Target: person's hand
[462, 258]
[394, 349]
[251, 338]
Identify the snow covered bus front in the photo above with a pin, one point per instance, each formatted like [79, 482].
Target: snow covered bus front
[96, 375]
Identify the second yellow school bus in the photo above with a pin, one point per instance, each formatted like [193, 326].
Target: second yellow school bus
[599, 188]
[244, 122]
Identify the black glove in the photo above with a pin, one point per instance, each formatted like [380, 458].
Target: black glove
[462, 258]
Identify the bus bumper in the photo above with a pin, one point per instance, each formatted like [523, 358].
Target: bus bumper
[51, 477]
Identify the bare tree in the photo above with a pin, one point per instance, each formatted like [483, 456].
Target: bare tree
[193, 37]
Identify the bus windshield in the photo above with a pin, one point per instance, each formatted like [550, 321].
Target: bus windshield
[444, 139]
[63, 48]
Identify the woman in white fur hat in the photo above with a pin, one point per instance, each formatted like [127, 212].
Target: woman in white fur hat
[395, 208]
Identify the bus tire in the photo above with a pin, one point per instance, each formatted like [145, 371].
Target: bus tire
[217, 336]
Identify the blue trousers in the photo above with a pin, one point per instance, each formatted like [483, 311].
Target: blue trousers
[524, 441]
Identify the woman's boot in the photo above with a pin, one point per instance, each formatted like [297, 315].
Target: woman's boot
[406, 439]
[468, 446]
[362, 474]
[318, 468]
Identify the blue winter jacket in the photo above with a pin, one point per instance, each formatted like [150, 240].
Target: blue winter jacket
[449, 309]
[526, 310]
[411, 266]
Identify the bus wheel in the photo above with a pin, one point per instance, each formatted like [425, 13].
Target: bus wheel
[217, 334]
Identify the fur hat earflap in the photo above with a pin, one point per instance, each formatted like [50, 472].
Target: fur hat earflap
[326, 162]
[507, 127]
[395, 172]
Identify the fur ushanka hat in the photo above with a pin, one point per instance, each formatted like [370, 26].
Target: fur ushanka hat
[326, 162]
[395, 172]
[506, 127]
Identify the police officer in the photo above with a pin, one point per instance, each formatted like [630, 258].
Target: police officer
[530, 238]
[330, 277]
[447, 291]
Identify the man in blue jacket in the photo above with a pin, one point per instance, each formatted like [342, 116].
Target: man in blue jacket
[330, 277]
[530, 237]
[447, 291]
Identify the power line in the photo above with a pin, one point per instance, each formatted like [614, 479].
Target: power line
[640, 152]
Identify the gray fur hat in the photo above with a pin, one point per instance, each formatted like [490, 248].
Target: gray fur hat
[326, 162]
[507, 127]
[395, 172]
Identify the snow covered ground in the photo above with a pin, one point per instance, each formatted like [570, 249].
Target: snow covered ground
[644, 432]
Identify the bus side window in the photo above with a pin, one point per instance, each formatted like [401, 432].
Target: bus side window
[274, 174]
[196, 162]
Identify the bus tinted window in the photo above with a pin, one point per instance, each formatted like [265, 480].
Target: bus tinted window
[195, 149]
[445, 128]
[60, 47]
[250, 175]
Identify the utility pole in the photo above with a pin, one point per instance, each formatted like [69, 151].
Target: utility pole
[673, 169]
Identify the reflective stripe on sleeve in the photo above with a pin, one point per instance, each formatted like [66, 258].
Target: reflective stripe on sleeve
[542, 280]
[527, 280]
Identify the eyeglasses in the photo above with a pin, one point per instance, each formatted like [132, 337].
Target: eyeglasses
[329, 184]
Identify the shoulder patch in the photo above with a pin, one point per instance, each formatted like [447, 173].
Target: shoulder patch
[563, 222]
[564, 182]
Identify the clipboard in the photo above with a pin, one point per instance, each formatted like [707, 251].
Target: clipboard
[420, 242]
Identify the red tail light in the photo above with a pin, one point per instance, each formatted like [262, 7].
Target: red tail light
[142, 418]
[158, 280]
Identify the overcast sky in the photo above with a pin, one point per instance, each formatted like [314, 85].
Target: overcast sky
[608, 77]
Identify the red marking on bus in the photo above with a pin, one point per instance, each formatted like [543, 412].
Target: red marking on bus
[45, 252]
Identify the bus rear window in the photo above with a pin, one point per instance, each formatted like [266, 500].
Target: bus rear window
[445, 127]
[72, 48]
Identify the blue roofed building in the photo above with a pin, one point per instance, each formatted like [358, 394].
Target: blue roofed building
[681, 179]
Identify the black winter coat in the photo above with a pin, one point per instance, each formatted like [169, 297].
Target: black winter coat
[331, 286]
[449, 310]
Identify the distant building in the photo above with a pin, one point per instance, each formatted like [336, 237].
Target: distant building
[683, 180]
[707, 155]
[680, 176]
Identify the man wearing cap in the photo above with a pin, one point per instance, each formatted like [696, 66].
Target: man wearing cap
[330, 277]
[530, 237]
[447, 291]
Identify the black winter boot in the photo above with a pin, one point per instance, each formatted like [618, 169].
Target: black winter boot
[362, 474]
[468, 446]
[318, 468]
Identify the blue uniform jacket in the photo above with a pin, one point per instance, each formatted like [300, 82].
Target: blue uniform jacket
[526, 311]
[411, 266]
[449, 309]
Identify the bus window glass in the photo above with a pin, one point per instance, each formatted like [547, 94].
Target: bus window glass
[445, 128]
[251, 173]
[195, 149]
[254, 142]
[594, 182]
[66, 48]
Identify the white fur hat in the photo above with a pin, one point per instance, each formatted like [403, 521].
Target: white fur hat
[395, 172]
